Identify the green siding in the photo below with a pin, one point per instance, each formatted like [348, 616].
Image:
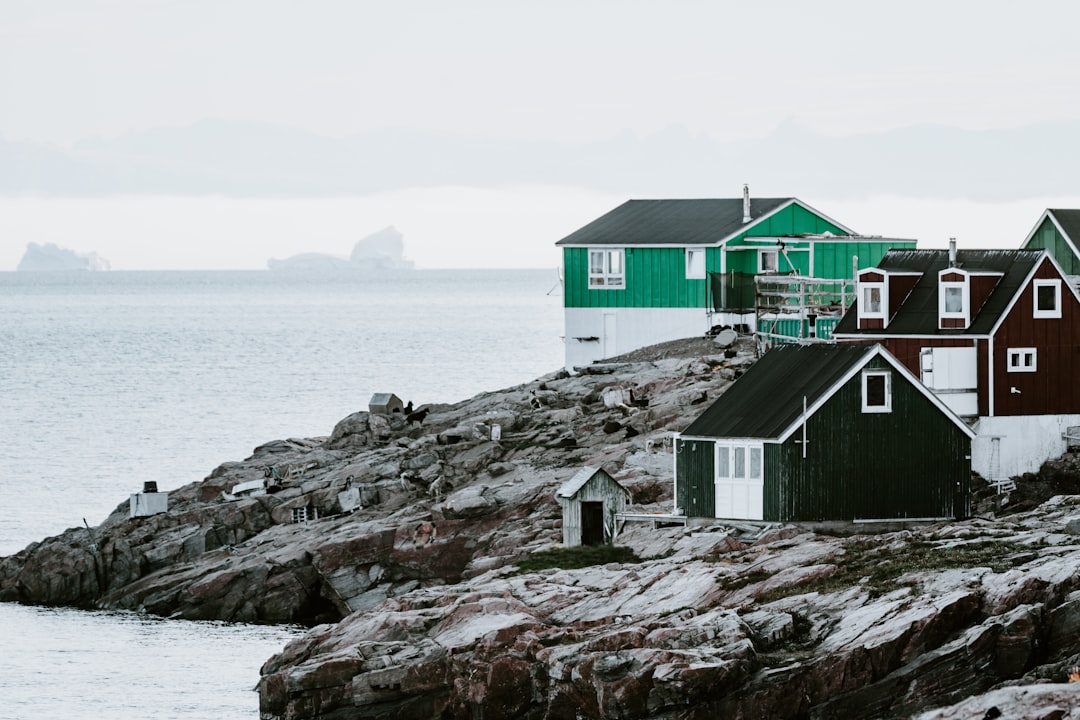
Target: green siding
[1047, 237]
[834, 260]
[695, 492]
[910, 463]
[656, 276]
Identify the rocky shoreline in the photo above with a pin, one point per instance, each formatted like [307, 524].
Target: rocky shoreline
[419, 606]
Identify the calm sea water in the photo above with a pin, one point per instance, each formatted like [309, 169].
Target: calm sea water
[108, 380]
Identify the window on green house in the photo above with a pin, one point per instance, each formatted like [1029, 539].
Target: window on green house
[606, 268]
[695, 263]
[768, 261]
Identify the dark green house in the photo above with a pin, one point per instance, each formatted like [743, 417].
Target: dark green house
[1059, 232]
[656, 270]
[825, 432]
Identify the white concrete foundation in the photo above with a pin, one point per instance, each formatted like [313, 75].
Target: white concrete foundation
[1005, 447]
[593, 334]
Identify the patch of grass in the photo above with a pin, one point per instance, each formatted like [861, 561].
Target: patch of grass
[882, 566]
[571, 558]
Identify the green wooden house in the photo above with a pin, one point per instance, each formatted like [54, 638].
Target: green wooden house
[825, 432]
[656, 270]
[1059, 232]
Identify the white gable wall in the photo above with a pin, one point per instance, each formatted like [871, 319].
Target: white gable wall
[621, 330]
[1007, 446]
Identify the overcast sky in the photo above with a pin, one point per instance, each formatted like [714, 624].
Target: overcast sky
[577, 70]
[569, 71]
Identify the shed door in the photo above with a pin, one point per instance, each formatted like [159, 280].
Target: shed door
[739, 482]
[592, 523]
[607, 340]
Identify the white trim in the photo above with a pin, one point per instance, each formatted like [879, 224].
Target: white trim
[990, 375]
[761, 253]
[1046, 255]
[1045, 314]
[865, 375]
[873, 336]
[964, 286]
[875, 351]
[1014, 355]
[883, 300]
[1068, 239]
[1048, 213]
[606, 275]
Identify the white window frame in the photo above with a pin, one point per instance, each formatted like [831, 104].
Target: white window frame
[1055, 312]
[965, 300]
[887, 407]
[864, 311]
[1015, 360]
[762, 254]
[606, 278]
[692, 272]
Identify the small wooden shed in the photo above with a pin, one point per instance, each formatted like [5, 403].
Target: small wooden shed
[590, 501]
[385, 404]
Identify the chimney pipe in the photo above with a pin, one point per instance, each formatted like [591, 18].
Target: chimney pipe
[745, 204]
[952, 252]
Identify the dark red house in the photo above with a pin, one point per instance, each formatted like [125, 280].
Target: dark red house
[994, 333]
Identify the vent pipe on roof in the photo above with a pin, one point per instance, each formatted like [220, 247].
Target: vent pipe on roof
[746, 203]
[952, 252]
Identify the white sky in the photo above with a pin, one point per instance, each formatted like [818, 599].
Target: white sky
[558, 70]
[570, 70]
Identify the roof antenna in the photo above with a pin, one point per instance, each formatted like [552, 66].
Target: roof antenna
[745, 203]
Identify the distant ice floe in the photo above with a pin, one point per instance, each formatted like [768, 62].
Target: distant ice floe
[383, 250]
[49, 257]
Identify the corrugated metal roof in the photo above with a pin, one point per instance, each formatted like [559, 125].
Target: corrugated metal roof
[765, 401]
[671, 222]
[1069, 220]
[918, 314]
[570, 488]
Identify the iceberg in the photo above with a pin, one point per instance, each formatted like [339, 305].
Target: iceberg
[382, 250]
[50, 257]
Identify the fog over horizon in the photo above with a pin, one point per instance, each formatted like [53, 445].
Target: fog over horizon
[219, 135]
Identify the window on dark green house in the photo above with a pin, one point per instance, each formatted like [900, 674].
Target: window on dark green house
[876, 391]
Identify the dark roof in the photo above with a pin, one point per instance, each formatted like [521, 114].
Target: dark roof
[765, 401]
[1069, 220]
[671, 222]
[918, 314]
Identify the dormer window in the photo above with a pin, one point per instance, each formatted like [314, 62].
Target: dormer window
[606, 268]
[953, 297]
[872, 305]
[1047, 298]
[954, 300]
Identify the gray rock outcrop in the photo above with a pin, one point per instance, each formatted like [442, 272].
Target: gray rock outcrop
[419, 607]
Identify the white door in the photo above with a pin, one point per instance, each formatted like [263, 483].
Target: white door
[607, 341]
[739, 481]
[952, 373]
